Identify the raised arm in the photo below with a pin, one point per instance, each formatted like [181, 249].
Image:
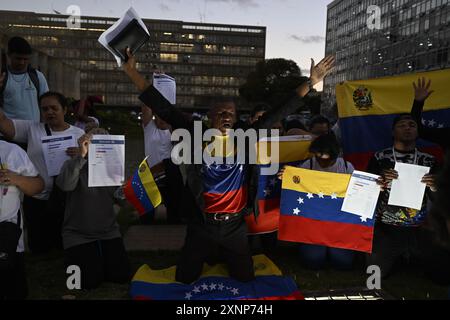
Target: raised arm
[70, 172]
[30, 186]
[6, 126]
[152, 97]
[422, 91]
[147, 115]
[318, 73]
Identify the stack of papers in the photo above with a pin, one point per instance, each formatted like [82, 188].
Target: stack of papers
[128, 32]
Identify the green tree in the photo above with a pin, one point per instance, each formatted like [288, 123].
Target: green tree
[273, 82]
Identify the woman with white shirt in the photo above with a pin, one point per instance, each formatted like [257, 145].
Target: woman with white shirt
[43, 225]
[17, 175]
[158, 146]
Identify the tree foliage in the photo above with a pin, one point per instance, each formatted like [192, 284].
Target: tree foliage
[273, 82]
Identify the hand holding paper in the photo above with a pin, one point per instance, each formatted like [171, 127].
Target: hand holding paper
[128, 32]
[408, 190]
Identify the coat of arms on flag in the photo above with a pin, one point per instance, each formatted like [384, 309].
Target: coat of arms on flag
[367, 109]
[311, 203]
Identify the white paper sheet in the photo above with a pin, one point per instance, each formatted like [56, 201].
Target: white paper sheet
[116, 28]
[166, 85]
[54, 149]
[106, 161]
[408, 190]
[362, 195]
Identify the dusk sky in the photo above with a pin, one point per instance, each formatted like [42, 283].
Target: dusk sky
[295, 28]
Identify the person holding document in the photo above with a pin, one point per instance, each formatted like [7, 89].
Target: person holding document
[91, 234]
[43, 224]
[326, 158]
[397, 231]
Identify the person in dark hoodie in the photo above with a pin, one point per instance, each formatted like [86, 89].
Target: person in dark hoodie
[439, 266]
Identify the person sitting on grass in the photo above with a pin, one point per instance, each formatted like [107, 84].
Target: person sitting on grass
[91, 235]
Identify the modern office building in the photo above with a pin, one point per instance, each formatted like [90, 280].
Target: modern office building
[413, 36]
[205, 59]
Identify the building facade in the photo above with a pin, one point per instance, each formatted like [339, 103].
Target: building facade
[205, 59]
[412, 36]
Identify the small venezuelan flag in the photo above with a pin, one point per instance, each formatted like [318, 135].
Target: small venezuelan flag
[311, 203]
[141, 190]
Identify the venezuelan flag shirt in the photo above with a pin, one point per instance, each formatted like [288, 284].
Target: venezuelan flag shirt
[225, 189]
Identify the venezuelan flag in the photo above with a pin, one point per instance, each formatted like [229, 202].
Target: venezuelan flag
[224, 178]
[311, 203]
[367, 109]
[141, 190]
[215, 284]
[292, 151]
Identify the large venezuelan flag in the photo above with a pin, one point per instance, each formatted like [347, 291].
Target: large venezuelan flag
[311, 203]
[215, 284]
[367, 109]
[141, 190]
[292, 151]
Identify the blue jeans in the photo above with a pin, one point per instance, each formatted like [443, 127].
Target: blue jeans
[315, 257]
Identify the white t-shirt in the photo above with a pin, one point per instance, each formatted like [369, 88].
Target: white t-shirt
[31, 132]
[16, 160]
[158, 145]
[338, 167]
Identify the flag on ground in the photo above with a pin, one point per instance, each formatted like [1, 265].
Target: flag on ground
[215, 284]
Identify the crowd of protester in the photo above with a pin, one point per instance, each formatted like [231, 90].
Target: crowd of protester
[64, 213]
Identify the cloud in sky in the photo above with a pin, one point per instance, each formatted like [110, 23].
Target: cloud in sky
[242, 3]
[164, 7]
[307, 39]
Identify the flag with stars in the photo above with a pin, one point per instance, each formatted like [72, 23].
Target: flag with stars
[141, 190]
[215, 284]
[292, 151]
[311, 203]
[367, 109]
[224, 178]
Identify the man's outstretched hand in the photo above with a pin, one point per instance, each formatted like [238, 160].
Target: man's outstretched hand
[422, 90]
[130, 65]
[130, 69]
[322, 69]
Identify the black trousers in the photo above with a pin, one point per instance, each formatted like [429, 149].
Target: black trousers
[415, 246]
[43, 226]
[13, 283]
[204, 239]
[100, 261]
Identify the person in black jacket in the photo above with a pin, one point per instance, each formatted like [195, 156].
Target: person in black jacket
[439, 266]
[220, 191]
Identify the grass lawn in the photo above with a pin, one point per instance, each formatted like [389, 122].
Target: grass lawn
[46, 277]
